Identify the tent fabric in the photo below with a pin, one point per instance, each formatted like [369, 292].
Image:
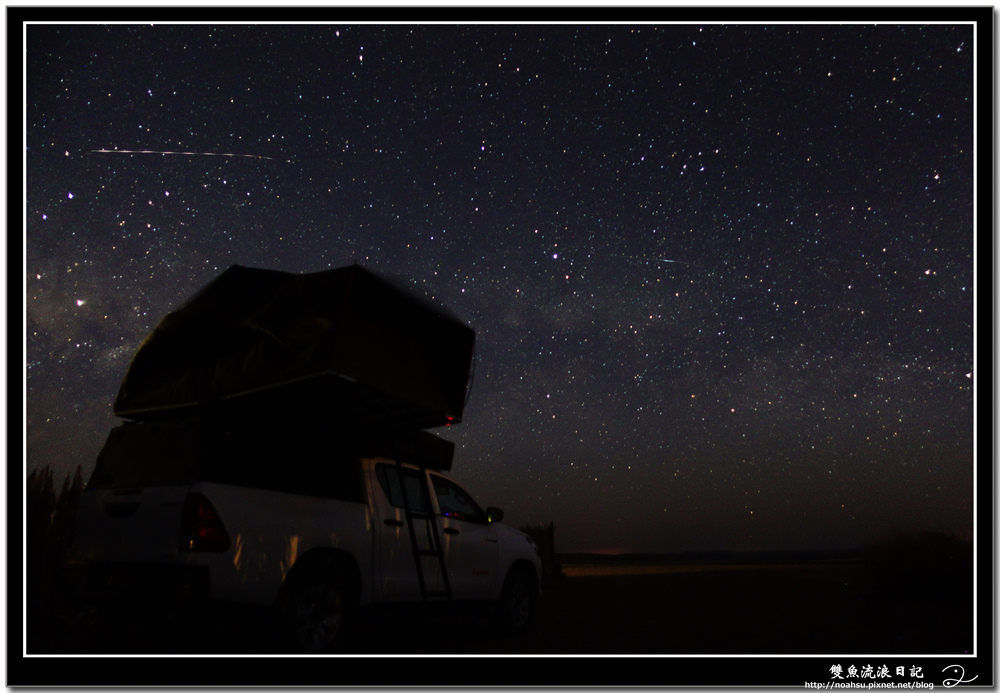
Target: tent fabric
[244, 452]
[343, 342]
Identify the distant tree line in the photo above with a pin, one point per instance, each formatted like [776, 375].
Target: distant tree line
[49, 520]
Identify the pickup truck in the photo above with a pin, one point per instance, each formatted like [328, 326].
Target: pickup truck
[308, 523]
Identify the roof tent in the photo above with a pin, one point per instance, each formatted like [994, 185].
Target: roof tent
[343, 346]
[285, 455]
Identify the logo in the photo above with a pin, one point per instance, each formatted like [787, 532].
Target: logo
[959, 672]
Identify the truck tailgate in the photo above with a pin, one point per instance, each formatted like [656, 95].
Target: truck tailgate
[129, 524]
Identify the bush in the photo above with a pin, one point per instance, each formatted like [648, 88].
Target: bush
[49, 519]
[544, 536]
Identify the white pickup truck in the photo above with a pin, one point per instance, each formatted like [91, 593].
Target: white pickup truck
[308, 523]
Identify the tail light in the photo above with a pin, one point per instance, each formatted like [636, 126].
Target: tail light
[201, 528]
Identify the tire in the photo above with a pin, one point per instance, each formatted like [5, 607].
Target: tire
[516, 607]
[315, 611]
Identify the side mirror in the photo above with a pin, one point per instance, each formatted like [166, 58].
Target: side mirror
[494, 514]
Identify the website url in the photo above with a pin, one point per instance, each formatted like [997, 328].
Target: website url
[910, 685]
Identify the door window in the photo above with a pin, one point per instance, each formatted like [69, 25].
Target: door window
[455, 503]
[412, 483]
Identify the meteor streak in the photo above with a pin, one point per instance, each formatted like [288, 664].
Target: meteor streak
[147, 151]
[678, 262]
[656, 259]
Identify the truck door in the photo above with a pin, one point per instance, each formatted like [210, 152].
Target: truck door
[396, 576]
[470, 543]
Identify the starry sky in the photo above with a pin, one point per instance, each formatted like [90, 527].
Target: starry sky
[721, 275]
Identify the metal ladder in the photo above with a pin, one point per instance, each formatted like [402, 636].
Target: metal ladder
[434, 537]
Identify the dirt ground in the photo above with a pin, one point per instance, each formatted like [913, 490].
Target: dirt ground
[823, 608]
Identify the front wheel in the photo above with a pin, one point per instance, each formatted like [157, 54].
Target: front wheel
[516, 606]
[314, 611]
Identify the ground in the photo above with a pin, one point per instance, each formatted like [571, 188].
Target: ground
[649, 608]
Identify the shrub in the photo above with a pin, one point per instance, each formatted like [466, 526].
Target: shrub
[544, 536]
[49, 519]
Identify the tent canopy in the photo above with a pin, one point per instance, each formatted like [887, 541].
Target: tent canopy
[344, 345]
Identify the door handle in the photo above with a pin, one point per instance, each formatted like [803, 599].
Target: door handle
[450, 530]
[393, 523]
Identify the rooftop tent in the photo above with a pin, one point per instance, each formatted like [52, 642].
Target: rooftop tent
[244, 452]
[343, 345]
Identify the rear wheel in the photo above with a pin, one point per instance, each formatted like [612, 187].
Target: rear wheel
[315, 610]
[516, 607]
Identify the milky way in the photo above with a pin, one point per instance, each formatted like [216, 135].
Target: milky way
[721, 276]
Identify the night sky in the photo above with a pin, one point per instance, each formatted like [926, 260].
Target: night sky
[721, 276]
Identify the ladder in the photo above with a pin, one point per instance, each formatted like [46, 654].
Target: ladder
[435, 549]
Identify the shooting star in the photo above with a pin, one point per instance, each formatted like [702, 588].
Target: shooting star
[148, 151]
[676, 262]
[656, 259]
